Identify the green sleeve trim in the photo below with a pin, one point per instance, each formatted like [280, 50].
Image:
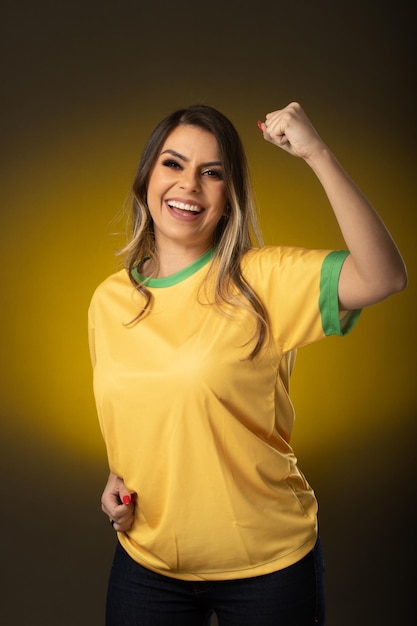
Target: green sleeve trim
[328, 299]
[174, 279]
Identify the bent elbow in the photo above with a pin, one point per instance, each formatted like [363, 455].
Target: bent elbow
[387, 287]
[402, 281]
[401, 277]
[398, 282]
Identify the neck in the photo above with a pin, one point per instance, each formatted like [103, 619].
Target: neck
[173, 260]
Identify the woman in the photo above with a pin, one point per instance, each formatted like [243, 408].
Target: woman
[193, 344]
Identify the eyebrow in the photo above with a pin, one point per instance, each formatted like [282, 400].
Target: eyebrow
[184, 158]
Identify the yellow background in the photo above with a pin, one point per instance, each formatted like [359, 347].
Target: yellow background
[83, 87]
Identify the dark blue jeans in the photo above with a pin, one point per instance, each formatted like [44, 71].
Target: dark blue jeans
[293, 596]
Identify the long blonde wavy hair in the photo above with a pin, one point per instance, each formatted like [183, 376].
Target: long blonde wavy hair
[234, 233]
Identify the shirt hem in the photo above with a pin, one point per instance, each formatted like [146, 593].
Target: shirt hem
[248, 572]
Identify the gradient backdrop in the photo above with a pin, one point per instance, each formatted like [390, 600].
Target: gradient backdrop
[82, 86]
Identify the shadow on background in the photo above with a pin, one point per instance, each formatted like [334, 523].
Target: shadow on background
[83, 85]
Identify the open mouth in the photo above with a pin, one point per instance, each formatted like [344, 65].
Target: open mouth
[182, 206]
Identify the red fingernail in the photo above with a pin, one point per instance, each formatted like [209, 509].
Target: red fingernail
[126, 499]
[260, 126]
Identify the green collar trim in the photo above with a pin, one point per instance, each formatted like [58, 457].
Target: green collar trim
[174, 279]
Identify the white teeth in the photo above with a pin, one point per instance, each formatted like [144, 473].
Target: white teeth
[184, 207]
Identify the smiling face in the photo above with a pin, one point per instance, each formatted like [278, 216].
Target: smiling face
[186, 191]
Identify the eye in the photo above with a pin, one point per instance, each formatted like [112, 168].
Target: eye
[172, 163]
[213, 174]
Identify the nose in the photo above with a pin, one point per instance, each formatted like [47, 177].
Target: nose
[190, 180]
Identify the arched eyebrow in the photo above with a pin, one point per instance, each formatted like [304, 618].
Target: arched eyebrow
[184, 158]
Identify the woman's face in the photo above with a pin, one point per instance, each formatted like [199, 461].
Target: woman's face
[186, 191]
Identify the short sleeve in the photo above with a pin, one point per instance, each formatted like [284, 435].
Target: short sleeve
[299, 288]
[328, 299]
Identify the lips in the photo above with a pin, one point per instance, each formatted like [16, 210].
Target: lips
[184, 206]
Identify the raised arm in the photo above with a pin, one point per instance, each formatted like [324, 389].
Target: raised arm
[374, 270]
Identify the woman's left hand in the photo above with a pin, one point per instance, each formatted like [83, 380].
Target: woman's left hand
[291, 130]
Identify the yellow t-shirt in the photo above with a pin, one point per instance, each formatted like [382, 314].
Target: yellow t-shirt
[202, 434]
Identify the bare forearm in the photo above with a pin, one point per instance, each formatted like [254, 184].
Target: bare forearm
[375, 268]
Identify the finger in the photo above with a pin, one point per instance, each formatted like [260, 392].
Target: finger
[125, 497]
[275, 124]
[121, 525]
